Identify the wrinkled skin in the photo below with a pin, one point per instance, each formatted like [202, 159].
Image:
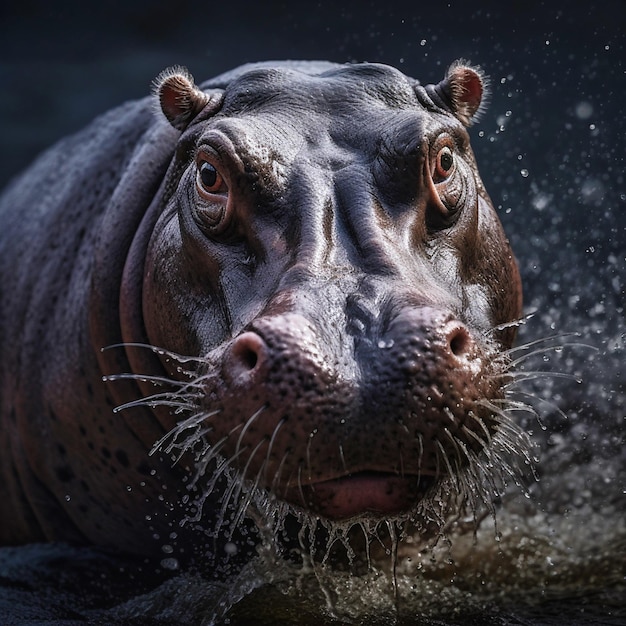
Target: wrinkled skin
[317, 237]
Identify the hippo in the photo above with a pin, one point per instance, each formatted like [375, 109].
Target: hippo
[285, 290]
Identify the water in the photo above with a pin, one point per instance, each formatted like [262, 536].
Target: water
[537, 573]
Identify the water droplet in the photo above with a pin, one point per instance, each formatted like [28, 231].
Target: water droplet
[382, 344]
[231, 549]
[584, 110]
[167, 549]
[524, 172]
[171, 564]
[423, 42]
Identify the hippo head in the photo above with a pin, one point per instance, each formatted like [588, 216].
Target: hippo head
[332, 269]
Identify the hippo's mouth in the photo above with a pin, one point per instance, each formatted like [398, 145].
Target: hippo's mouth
[361, 494]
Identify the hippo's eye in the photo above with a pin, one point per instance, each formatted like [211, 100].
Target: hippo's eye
[210, 209]
[209, 179]
[450, 177]
[444, 163]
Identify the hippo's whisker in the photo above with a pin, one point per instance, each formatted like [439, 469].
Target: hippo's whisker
[558, 348]
[155, 380]
[279, 471]
[516, 378]
[509, 435]
[226, 500]
[247, 425]
[401, 460]
[343, 459]
[482, 425]
[308, 455]
[437, 461]
[455, 444]
[442, 452]
[508, 404]
[300, 488]
[554, 407]
[220, 471]
[536, 342]
[470, 433]
[420, 454]
[193, 422]
[516, 323]
[243, 504]
[268, 454]
[210, 454]
[160, 399]
[180, 358]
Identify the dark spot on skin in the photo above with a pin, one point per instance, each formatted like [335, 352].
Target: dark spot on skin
[122, 458]
[61, 449]
[84, 485]
[65, 474]
[106, 453]
[144, 468]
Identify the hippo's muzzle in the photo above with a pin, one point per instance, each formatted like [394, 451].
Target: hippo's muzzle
[362, 425]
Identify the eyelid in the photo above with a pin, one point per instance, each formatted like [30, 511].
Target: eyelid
[209, 154]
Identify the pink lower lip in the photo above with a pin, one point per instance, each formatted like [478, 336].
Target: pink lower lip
[373, 493]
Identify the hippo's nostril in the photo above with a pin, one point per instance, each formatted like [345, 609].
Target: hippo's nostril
[248, 358]
[458, 340]
[246, 352]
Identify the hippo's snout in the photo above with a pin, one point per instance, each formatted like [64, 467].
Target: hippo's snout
[348, 424]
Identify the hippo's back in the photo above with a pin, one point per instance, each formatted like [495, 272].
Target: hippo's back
[52, 218]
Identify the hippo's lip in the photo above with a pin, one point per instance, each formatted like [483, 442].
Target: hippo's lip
[362, 494]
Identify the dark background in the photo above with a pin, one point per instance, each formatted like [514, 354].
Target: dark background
[550, 147]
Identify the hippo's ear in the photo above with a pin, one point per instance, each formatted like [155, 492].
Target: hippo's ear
[179, 98]
[465, 89]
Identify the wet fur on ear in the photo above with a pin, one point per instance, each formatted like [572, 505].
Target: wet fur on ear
[467, 90]
[179, 98]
